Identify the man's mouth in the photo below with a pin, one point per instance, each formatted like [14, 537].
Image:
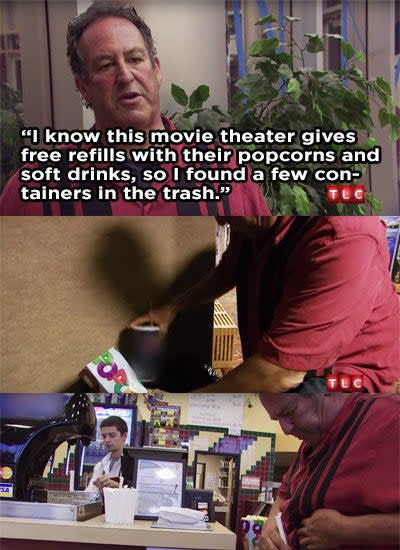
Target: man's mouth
[129, 97]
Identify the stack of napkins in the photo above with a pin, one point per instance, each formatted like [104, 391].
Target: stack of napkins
[171, 517]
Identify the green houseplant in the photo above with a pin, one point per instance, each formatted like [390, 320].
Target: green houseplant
[11, 123]
[282, 93]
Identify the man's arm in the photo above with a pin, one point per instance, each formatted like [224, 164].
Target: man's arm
[207, 289]
[213, 285]
[330, 529]
[95, 474]
[256, 374]
[105, 481]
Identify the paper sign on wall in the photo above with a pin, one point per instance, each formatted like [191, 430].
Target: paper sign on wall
[213, 409]
[210, 481]
[251, 482]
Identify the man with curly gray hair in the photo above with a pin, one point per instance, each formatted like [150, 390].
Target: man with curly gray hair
[113, 59]
[117, 72]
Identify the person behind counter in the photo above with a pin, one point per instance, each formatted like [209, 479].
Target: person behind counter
[314, 297]
[114, 431]
[342, 490]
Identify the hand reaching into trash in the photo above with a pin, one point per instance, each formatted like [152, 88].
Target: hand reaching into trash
[162, 316]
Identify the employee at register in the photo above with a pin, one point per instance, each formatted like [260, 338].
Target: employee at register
[114, 431]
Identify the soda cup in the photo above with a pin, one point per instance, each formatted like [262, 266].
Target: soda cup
[146, 352]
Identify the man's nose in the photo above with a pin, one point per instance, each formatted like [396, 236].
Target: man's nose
[125, 73]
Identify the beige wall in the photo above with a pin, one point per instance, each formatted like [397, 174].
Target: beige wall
[70, 285]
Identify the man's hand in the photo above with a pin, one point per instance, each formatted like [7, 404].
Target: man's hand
[256, 375]
[105, 481]
[324, 529]
[270, 538]
[162, 316]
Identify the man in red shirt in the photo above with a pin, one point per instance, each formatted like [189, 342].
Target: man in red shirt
[314, 295]
[117, 72]
[342, 490]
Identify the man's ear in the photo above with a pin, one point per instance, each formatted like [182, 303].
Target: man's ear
[157, 68]
[82, 88]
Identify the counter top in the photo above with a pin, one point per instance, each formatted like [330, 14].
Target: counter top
[96, 530]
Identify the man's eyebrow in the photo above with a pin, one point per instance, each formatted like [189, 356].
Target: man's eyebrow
[136, 49]
[105, 55]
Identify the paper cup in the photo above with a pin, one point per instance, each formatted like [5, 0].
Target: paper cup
[120, 505]
[146, 352]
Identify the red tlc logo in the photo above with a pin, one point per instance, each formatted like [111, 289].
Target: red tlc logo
[349, 194]
[344, 382]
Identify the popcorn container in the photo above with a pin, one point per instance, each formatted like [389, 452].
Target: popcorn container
[251, 528]
[120, 505]
[111, 372]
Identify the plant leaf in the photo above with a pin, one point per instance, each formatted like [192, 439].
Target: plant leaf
[263, 47]
[221, 112]
[301, 200]
[248, 80]
[359, 55]
[179, 95]
[373, 202]
[394, 127]
[183, 123]
[337, 36]
[347, 50]
[199, 96]
[208, 120]
[293, 86]
[286, 198]
[270, 18]
[384, 116]
[291, 19]
[315, 45]
[384, 85]
[285, 70]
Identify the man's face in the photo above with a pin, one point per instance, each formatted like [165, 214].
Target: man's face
[298, 415]
[120, 82]
[113, 440]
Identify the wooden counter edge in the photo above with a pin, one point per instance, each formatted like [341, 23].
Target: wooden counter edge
[95, 530]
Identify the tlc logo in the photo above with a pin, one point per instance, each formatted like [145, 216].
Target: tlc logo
[344, 382]
[351, 194]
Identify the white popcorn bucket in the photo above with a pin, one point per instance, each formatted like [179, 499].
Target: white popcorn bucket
[111, 372]
[120, 505]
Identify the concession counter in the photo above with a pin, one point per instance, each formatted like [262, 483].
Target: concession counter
[95, 534]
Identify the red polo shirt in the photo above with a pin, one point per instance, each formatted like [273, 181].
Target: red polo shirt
[353, 469]
[316, 293]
